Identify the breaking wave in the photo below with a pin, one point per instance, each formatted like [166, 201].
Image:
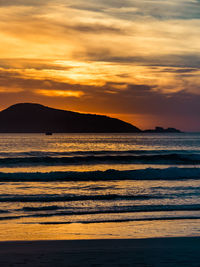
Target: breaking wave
[171, 173]
[99, 157]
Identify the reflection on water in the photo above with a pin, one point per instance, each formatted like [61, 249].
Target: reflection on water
[126, 230]
[161, 201]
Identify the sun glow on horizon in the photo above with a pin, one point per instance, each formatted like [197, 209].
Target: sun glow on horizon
[106, 57]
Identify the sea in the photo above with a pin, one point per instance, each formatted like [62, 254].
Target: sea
[99, 186]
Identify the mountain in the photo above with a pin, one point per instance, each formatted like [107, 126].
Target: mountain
[36, 118]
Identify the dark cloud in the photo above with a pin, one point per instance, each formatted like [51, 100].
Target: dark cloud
[143, 99]
[100, 6]
[182, 70]
[23, 2]
[130, 10]
[188, 61]
[95, 28]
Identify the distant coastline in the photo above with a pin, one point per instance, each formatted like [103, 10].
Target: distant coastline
[162, 130]
[36, 118]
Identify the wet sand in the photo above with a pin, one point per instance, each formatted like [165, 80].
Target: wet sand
[157, 252]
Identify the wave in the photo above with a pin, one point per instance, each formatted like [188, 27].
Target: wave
[46, 208]
[125, 220]
[92, 153]
[106, 197]
[112, 220]
[52, 211]
[60, 210]
[123, 158]
[172, 173]
[61, 198]
[4, 211]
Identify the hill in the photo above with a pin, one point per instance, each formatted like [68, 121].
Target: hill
[36, 118]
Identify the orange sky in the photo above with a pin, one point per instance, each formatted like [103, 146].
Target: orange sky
[137, 60]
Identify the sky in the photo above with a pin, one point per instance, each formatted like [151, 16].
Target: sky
[137, 60]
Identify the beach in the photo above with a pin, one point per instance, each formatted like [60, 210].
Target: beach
[177, 252]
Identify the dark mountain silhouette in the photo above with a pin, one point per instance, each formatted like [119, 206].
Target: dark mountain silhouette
[35, 118]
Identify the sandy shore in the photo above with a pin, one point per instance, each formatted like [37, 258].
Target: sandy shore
[135, 252]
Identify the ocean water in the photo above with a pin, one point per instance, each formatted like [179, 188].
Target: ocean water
[80, 186]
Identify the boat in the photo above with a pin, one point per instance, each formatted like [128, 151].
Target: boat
[49, 133]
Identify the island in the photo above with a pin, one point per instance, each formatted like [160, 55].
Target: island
[162, 130]
[36, 118]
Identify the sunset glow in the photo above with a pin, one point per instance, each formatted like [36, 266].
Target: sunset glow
[137, 60]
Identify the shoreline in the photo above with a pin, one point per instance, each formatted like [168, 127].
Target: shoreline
[169, 251]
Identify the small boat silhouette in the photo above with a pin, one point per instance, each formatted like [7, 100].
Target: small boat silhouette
[49, 133]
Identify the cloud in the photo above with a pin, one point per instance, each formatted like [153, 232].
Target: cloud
[96, 28]
[23, 2]
[130, 10]
[7, 90]
[59, 93]
[62, 31]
